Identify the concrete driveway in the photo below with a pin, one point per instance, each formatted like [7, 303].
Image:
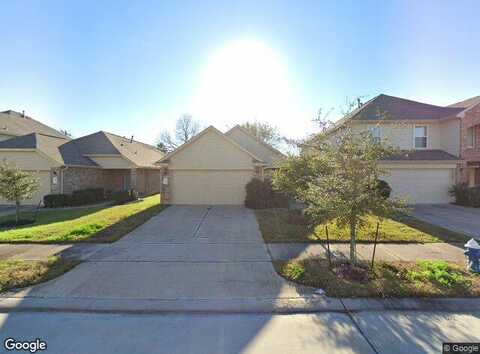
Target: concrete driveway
[453, 217]
[186, 253]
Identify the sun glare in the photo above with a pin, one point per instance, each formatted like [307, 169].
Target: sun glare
[245, 80]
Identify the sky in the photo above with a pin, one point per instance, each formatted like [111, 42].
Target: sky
[133, 67]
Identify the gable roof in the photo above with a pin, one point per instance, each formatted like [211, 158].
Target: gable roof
[202, 133]
[385, 107]
[60, 150]
[467, 103]
[104, 143]
[17, 124]
[259, 141]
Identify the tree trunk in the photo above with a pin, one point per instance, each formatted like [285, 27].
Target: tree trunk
[17, 211]
[353, 243]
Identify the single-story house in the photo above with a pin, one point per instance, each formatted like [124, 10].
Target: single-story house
[214, 167]
[64, 165]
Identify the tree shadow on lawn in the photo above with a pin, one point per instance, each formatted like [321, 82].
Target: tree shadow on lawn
[451, 237]
[45, 217]
[124, 226]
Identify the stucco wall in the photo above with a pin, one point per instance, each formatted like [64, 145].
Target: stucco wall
[27, 160]
[211, 151]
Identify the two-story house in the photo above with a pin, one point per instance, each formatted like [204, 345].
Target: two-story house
[438, 144]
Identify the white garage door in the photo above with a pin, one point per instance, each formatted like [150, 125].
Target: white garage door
[421, 185]
[44, 181]
[209, 187]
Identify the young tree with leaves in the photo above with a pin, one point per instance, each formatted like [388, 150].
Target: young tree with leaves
[16, 185]
[337, 177]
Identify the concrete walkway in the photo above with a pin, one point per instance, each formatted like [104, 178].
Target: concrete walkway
[453, 217]
[40, 252]
[387, 252]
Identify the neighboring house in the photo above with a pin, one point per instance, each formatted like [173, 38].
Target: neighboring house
[64, 165]
[436, 148]
[213, 168]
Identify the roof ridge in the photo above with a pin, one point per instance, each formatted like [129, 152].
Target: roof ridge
[417, 102]
[256, 139]
[133, 140]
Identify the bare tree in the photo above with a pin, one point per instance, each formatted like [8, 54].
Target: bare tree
[185, 128]
[265, 132]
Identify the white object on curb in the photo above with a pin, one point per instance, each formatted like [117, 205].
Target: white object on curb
[319, 292]
[472, 244]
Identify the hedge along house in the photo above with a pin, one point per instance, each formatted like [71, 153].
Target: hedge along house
[63, 165]
[213, 168]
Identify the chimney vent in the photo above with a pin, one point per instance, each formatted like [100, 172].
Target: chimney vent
[23, 113]
[131, 139]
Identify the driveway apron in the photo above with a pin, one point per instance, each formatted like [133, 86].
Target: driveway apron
[185, 252]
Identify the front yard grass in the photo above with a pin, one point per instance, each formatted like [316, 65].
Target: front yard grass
[388, 279]
[275, 227]
[18, 273]
[91, 224]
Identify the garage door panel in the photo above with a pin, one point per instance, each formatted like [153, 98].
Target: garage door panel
[421, 185]
[210, 187]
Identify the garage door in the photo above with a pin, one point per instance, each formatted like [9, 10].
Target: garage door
[421, 185]
[209, 187]
[44, 181]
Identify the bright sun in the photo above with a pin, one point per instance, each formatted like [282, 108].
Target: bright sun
[245, 80]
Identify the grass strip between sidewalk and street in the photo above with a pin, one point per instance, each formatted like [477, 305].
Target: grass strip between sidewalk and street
[19, 273]
[387, 279]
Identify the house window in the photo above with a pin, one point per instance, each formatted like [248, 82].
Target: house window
[471, 137]
[421, 137]
[376, 134]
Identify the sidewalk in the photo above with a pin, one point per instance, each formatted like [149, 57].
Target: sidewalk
[40, 252]
[386, 252]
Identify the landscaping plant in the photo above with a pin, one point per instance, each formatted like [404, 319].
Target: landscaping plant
[339, 178]
[16, 185]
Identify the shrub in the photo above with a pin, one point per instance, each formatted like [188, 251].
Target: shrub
[260, 195]
[122, 197]
[384, 188]
[294, 271]
[439, 272]
[460, 193]
[55, 200]
[297, 217]
[77, 198]
[467, 196]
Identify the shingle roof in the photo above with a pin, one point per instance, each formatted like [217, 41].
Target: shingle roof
[467, 103]
[423, 155]
[61, 150]
[14, 123]
[385, 107]
[104, 143]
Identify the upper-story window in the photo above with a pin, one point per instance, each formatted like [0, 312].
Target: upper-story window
[471, 137]
[421, 137]
[376, 133]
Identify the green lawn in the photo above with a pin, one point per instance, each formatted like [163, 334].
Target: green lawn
[275, 227]
[387, 279]
[18, 274]
[91, 224]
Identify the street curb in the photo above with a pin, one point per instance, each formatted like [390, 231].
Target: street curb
[314, 304]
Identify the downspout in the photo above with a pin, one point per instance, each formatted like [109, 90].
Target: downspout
[63, 168]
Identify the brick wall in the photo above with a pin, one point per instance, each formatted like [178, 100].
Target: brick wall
[469, 155]
[76, 178]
